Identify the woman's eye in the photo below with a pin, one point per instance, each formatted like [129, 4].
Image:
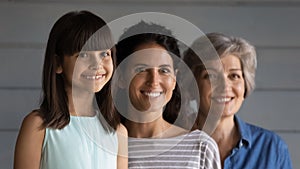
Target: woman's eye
[164, 70]
[210, 76]
[235, 76]
[213, 77]
[139, 69]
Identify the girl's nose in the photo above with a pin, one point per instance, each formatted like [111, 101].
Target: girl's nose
[94, 66]
[95, 62]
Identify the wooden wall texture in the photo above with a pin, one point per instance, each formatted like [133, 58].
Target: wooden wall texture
[272, 26]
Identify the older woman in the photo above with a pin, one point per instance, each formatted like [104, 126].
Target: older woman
[224, 82]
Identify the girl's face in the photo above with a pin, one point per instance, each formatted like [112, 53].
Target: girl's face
[87, 70]
[222, 87]
[152, 76]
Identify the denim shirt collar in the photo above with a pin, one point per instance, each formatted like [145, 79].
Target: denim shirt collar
[245, 132]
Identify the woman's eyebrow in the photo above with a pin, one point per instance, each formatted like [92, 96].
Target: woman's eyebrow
[145, 65]
[235, 69]
[165, 65]
[211, 69]
[140, 64]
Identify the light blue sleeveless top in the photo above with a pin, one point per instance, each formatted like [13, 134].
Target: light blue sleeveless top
[82, 144]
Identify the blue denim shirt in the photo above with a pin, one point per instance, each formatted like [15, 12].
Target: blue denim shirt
[258, 148]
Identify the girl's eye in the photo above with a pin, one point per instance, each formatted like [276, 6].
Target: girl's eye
[104, 54]
[83, 55]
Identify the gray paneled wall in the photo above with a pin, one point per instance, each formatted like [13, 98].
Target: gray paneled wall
[272, 27]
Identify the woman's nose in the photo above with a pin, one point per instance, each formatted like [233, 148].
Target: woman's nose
[222, 84]
[153, 77]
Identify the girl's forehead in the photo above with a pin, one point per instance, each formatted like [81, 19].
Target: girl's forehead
[95, 51]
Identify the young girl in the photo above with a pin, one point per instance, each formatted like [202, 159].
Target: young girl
[148, 97]
[68, 131]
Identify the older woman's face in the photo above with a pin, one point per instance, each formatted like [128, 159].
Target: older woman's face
[222, 87]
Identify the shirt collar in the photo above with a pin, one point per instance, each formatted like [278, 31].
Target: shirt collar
[244, 132]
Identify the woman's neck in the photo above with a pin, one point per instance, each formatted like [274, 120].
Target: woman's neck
[226, 135]
[154, 129]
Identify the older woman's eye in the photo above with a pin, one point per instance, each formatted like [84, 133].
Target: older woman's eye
[235, 76]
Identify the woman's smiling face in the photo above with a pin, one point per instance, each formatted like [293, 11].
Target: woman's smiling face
[222, 87]
[152, 78]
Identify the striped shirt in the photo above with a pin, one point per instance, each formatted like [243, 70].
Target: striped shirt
[195, 150]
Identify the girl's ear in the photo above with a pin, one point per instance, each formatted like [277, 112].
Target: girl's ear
[59, 70]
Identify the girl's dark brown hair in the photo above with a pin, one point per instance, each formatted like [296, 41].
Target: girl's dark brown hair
[67, 37]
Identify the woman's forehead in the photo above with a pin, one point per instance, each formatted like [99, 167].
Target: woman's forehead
[152, 57]
[225, 62]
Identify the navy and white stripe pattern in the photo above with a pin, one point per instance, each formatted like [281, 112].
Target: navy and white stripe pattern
[189, 151]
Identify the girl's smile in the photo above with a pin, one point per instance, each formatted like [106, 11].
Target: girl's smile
[88, 70]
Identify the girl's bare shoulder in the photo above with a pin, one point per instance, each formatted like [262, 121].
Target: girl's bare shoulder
[121, 129]
[29, 142]
[32, 122]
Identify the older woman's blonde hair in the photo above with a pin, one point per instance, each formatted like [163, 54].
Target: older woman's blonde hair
[223, 46]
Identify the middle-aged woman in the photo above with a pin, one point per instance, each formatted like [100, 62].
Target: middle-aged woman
[223, 87]
[146, 87]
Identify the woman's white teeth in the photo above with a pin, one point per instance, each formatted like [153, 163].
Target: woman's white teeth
[222, 100]
[152, 94]
[93, 77]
